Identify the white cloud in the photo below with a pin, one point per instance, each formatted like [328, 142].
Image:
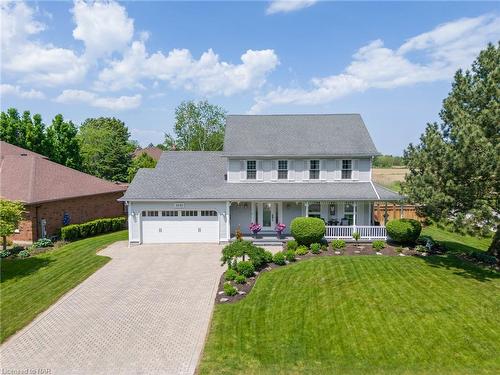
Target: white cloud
[14, 90]
[104, 27]
[285, 6]
[90, 98]
[32, 61]
[428, 57]
[207, 75]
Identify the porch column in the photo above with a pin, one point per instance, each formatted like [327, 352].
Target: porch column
[401, 212]
[307, 208]
[228, 223]
[370, 212]
[355, 211]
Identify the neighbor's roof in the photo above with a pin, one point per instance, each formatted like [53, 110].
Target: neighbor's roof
[32, 178]
[297, 135]
[153, 151]
[200, 176]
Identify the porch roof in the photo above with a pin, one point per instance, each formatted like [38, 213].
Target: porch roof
[200, 176]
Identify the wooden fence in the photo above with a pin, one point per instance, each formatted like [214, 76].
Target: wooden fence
[394, 211]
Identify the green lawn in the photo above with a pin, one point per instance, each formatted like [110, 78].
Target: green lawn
[29, 286]
[456, 242]
[363, 315]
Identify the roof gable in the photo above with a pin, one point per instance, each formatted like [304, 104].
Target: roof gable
[297, 135]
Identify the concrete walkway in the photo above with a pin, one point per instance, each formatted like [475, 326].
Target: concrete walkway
[145, 312]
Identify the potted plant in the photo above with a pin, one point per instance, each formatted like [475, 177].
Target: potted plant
[279, 228]
[255, 228]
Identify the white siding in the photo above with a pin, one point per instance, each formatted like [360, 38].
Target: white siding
[298, 170]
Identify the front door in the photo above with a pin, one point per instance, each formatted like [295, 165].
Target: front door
[269, 216]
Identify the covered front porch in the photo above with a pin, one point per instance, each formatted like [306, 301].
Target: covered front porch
[342, 218]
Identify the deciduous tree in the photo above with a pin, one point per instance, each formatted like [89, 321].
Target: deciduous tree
[141, 161]
[62, 143]
[11, 213]
[105, 148]
[198, 127]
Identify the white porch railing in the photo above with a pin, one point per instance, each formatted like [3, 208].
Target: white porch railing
[367, 232]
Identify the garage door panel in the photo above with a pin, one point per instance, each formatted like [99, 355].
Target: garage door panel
[180, 229]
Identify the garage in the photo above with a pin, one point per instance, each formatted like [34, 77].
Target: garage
[177, 226]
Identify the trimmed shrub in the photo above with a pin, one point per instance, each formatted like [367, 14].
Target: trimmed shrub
[338, 244]
[230, 290]
[315, 248]
[257, 255]
[279, 259]
[404, 230]
[307, 230]
[324, 247]
[43, 242]
[420, 249]
[23, 254]
[378, 244]
[240, 279]
[16, 249]
[290, 255]
[4, 253]
[230, 274]
[233, 251]
[301, 250]
[92, 228]
[246, 268]
[268, 256]
[292, 245]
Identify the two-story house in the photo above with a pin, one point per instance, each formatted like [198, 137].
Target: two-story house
[273, 169]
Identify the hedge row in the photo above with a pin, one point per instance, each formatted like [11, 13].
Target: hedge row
[91, 228]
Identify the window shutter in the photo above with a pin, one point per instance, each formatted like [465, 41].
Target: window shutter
[355, 169]
[291, 170]
[337, 172]
[322, 170]
[243, 170]
[305, 173]
[260, 174]
[274, 170]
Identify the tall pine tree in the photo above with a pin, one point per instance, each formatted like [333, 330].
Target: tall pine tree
[454, 170]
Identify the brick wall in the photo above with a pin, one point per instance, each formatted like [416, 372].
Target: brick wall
[80, 209]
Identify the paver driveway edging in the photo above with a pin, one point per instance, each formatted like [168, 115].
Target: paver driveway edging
[147, 311]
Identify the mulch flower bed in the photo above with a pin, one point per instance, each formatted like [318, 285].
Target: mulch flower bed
[351, 249]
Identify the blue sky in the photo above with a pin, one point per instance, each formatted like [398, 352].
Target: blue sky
[392, 62]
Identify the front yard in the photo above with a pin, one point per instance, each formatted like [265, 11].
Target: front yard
[29, 286]
[361, 314]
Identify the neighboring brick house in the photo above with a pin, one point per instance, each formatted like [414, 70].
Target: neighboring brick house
[153, 151]
[51, 191]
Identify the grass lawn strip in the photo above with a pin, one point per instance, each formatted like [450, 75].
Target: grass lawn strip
[29, 286]
[361, 315]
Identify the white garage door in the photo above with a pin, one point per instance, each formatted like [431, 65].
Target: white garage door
[180, 226]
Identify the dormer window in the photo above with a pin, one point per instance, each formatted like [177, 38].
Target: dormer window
[346, 169]
[251, 169]
[282, 169]
[314, 169]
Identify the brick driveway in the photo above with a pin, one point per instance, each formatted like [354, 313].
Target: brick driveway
[145, 312]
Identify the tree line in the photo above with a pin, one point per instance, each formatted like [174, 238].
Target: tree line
[102, 146]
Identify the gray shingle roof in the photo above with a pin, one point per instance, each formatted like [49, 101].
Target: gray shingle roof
[292, 135]
[200, 176]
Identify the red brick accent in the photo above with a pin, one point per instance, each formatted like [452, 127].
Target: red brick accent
[80, 210]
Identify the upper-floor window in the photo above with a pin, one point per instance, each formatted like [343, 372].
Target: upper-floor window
[346, 169]
[314, 169]
[282, 169]
[251, 169]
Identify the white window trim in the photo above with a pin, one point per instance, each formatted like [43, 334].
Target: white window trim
[287, 170]
[309, 170]
[256, 170]
[342, 169]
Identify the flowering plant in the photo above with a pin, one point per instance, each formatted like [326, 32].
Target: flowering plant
[255, 228]
[279, 228]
